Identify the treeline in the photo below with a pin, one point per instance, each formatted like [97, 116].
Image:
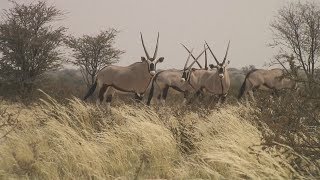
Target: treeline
[33, 46]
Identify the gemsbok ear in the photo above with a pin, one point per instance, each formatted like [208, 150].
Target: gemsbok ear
[226, 64]
[160, 59]
[212, 66]
[143, 59]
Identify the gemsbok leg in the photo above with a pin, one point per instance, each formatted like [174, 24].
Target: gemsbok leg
[195, 96]
[109, 93]
[159, 93]
[138, 97]
[101, 95]
[164, 95]
[185, 96]
[251, 96]
[248, 91]
[223, 98]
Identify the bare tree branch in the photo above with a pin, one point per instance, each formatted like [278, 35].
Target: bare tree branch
[296, 31]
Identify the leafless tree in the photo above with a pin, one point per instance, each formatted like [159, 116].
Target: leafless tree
[29, 42]
[296, 31]
[92, 53]
[294, 119]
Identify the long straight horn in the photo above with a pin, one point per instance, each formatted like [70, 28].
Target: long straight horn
[225, 57]
[185, 65]
[212, 54]
[192, 56]
[196, 60]
[144, 47]
[205, 57]
[156, 50]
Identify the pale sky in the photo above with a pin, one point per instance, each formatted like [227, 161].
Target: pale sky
[244, 22]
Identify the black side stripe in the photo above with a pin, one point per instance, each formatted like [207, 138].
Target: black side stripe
[120, 89]
[176, 88]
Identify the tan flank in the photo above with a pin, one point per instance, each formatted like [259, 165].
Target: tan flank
[134, 78]
[271, 80]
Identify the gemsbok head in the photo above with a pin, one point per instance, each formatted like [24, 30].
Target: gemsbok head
[151, 60]
[221, 67]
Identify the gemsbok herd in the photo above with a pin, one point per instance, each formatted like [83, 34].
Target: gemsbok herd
[211, 79]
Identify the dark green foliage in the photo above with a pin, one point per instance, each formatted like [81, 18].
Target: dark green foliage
[29, 43]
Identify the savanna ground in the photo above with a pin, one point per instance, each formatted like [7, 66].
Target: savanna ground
[66, 138]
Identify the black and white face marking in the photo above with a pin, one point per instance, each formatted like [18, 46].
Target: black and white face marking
[152, 65]
[152, 68]
[185, 75]
[221, 70]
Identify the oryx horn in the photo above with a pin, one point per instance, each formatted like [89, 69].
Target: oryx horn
[191, 55]
[156, 50]
[225, 57]
[185, 65]
[196, 59]
[212, 54]
[144, 47]
[205, 57]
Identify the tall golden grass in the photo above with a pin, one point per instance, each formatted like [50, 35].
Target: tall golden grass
[81, 141]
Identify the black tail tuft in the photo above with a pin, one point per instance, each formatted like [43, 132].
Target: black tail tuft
[152, 88]
[243, 86]
[91, 91]
[150, 93]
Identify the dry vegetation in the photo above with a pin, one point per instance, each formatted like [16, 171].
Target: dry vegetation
[77, 140]
[58, 136]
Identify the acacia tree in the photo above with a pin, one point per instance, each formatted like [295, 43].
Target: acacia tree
[92, 53]
[296, 31]
[29, 42]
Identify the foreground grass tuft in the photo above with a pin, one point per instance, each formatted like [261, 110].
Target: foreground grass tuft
[81, 141]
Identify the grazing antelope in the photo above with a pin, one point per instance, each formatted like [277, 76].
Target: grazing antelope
[171, 79]
[215, 81]
[134, 78]
[262, 79]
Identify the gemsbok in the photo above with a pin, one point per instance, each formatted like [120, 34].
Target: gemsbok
[134, 78]
[214, 81]
[271, 80]
[171, 78]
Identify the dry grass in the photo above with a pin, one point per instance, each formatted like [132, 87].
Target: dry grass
[81, 141]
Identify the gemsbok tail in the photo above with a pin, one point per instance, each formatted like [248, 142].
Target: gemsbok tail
[91, 90]
[152, 88]
[243, 86]
[151, 92]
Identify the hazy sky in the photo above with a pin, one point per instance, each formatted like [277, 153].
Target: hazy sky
[244, 22]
